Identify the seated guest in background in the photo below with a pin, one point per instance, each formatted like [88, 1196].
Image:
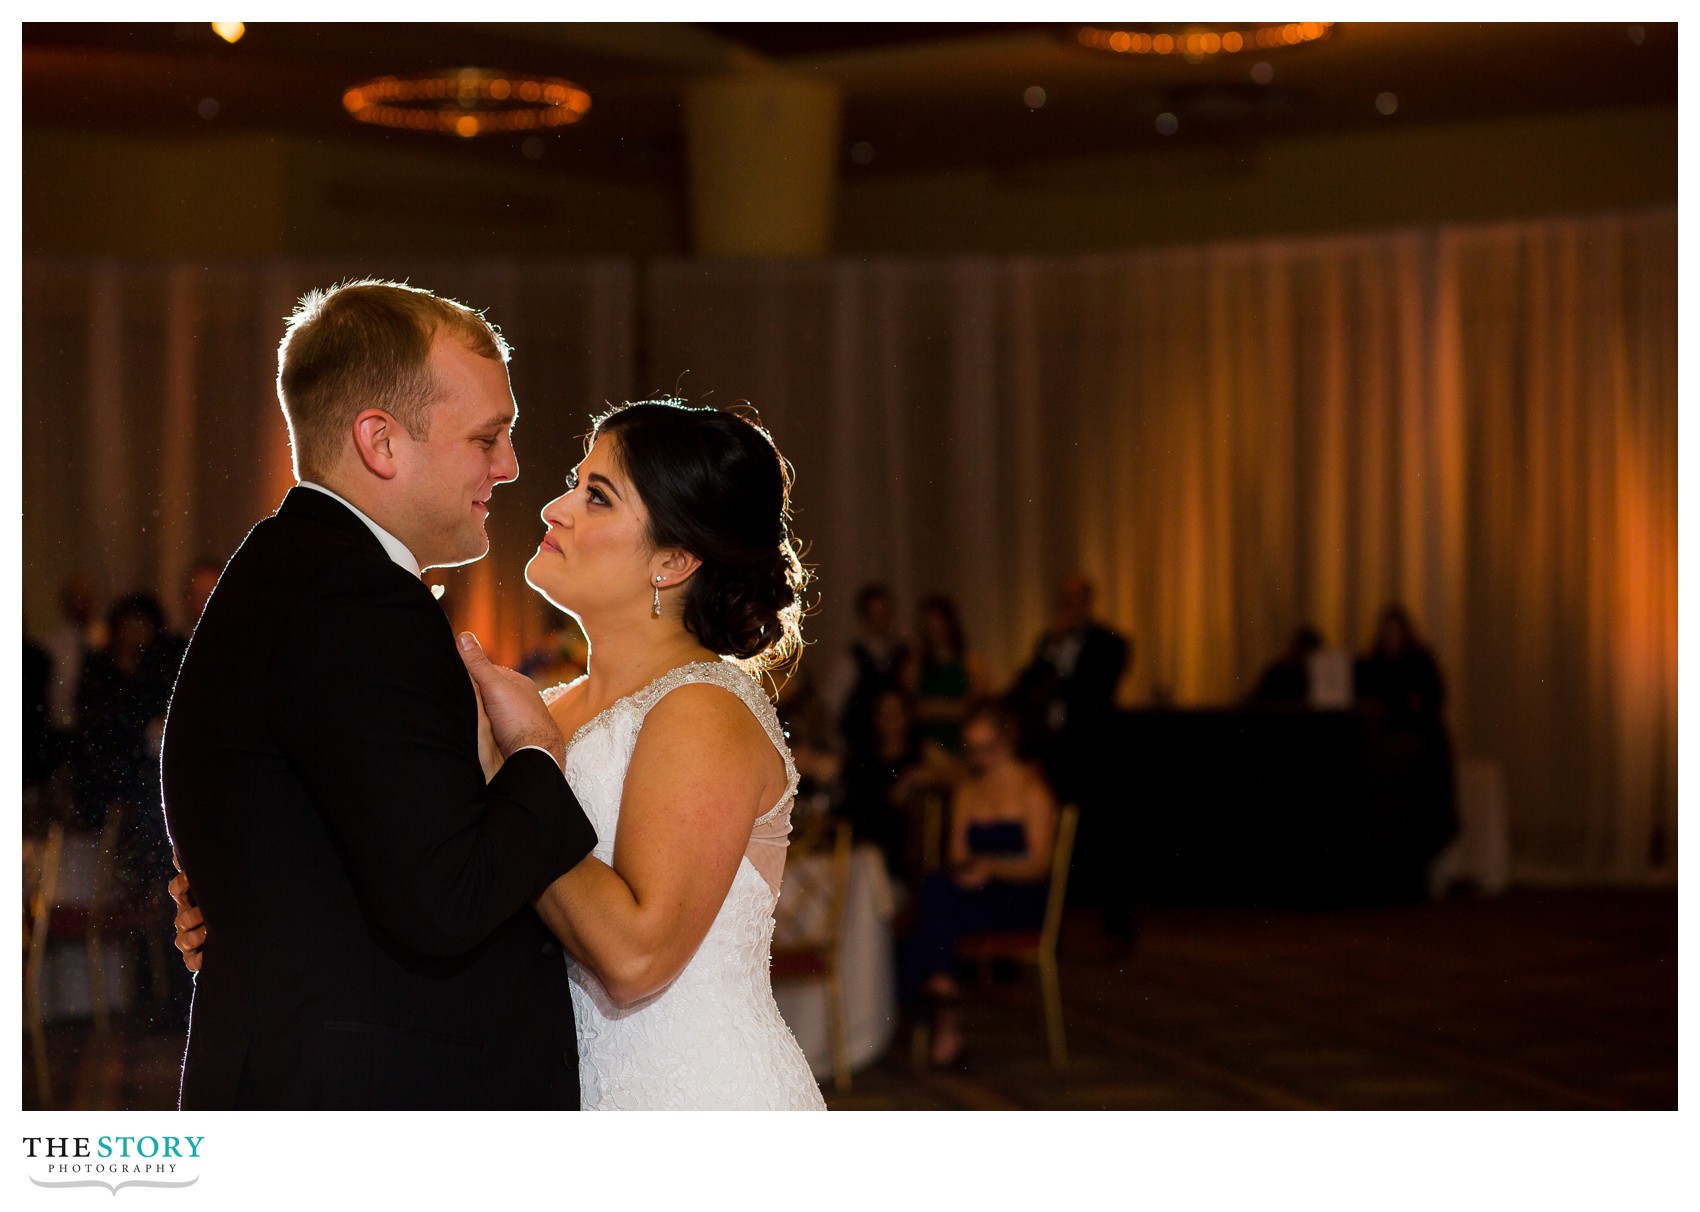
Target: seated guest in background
[1065, 700]
[872, 664]
[877, 784]
[1287, 679]
[69, 643]
[813, 739]
[1003, 826]
[198, 584]
[121, 703]
[1399, 685]
[942, 674]
[124, 690]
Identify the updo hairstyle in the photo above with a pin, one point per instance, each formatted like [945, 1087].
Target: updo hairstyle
[715, 485]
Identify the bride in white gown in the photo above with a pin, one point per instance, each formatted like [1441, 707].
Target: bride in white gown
[671, 547]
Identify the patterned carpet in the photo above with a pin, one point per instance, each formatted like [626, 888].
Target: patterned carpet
[1533, 1000]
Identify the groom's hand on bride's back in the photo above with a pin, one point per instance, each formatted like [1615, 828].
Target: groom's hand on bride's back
[518, 717]
[191, 925]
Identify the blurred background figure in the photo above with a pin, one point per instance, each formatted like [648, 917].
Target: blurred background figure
[74, 636]
[121, 697]
[1065, 700]
[1287, 679]
[121, 704]
[37, 757]
[1398, 677]
[813, 737]
[1066, 694]
[561, 656]
[942, 675]
[1399, 686]
[872, 664]
[1002, 826]
[198, 584]
[880, 784]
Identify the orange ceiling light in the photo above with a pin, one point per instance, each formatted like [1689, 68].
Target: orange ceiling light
[467, 102]
[1201, 42]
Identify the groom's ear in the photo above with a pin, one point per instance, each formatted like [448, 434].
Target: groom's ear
[374, 430]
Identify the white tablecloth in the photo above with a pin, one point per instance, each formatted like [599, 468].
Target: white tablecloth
[65, 990]
[864, 963]
[1481, 853]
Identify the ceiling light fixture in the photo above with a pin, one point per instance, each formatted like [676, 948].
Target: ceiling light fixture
[1197, 42]
[230, 31]
[467, 101]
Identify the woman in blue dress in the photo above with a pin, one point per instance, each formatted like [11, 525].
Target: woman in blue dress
[1003, 826]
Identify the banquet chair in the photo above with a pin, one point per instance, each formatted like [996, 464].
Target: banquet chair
[805, 947]
[1037, 947]
[41, 880]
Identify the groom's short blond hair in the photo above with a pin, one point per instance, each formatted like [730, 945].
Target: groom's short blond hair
[366, 344]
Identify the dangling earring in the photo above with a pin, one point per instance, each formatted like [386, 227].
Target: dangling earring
[655, 611]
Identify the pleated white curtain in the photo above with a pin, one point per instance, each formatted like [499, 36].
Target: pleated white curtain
[152, 434]
[1231, 440]
[1236, 439]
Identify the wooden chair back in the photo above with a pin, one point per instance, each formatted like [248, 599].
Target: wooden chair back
[1062, 854]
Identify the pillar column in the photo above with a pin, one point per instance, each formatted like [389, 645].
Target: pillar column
[762, 149]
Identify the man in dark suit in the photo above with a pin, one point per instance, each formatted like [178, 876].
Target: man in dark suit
[370, 942]
[1066, 701]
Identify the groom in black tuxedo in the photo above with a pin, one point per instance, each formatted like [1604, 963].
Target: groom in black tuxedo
[370, 941]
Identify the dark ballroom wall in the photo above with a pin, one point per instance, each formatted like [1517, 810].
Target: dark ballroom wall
[222, 197]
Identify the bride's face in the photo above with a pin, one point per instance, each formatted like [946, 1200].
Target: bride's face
[595, 559]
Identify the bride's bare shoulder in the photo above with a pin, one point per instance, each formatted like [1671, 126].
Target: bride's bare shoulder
[708, 725]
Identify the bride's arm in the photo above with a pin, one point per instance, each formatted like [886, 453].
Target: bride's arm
[698, 778]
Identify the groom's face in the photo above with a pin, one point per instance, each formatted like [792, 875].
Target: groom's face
[447, 479]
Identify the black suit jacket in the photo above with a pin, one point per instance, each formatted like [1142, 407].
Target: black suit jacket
[370, 941]
[1088, 691]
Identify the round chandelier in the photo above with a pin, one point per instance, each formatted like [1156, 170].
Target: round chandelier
[467, 101]
[1197, 42]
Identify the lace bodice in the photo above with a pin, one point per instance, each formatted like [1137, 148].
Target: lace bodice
[713, 1038]
[770, 831]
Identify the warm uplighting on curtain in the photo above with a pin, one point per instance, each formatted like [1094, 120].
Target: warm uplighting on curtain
[1237, 439]
[1232, 440]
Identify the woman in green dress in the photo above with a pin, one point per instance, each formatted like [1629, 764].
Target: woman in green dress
[943, 675]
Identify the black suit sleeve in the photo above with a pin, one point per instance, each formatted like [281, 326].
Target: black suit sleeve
[375, 711]
[1098, 670]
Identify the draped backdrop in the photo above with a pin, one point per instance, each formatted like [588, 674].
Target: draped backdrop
[1230, 440]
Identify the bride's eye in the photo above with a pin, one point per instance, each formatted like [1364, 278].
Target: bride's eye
[572, 480]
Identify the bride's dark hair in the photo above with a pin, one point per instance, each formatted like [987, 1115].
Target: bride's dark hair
[715, 484]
